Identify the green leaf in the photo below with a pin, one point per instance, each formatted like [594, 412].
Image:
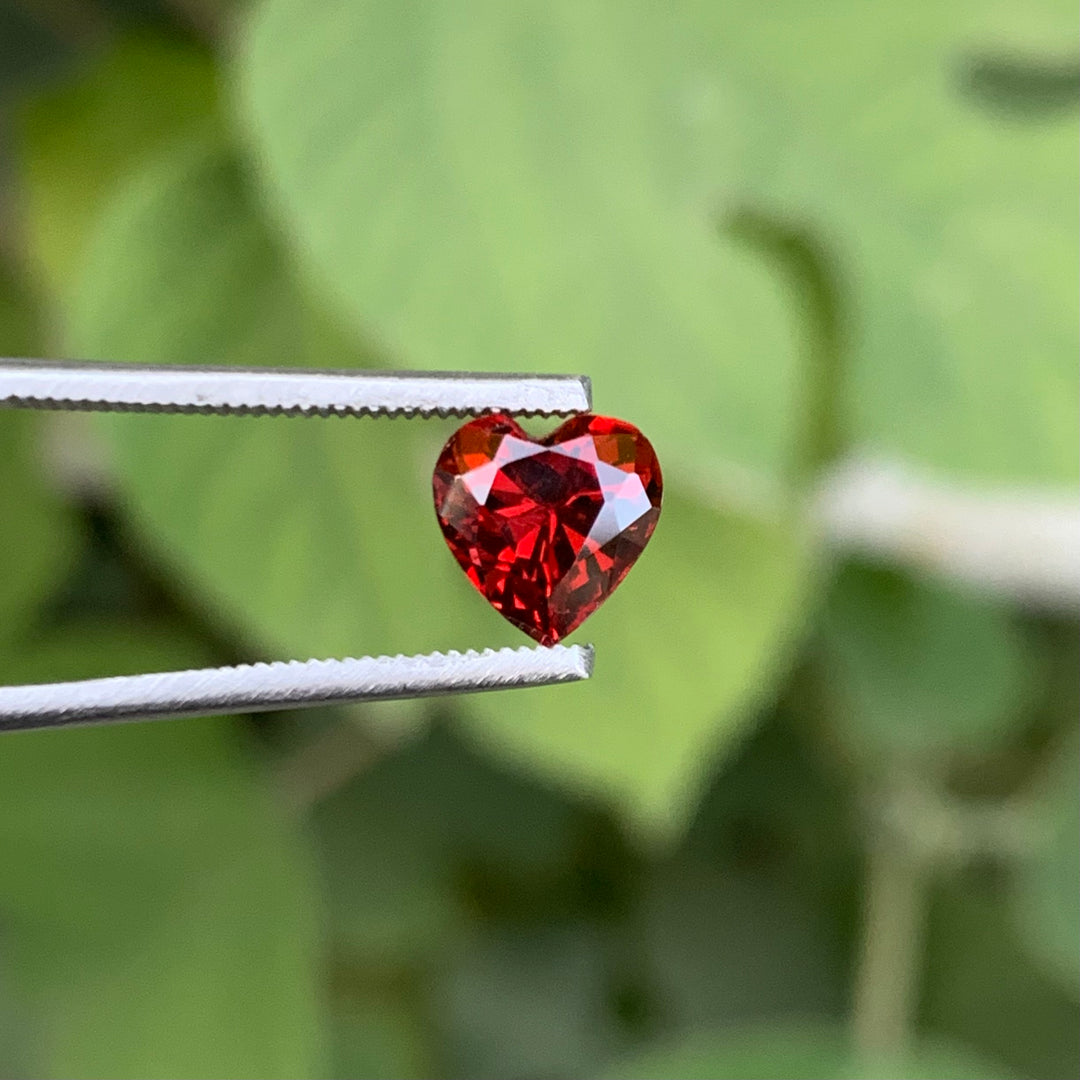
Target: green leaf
[917, 668]
[953, 220]
[685, 653]
[376, 1037]
[18, 321]
[981, 987]
[1048, 896]
[532, 186]
[806, 1054]
[149, 876]
[277, 521]
[726, 945]
[38, 536]
[811, 834]
[523, 187]
[404, 845]
[88, 647]
[528, 1002]
[76, 141]
[442, 866]
[320, 537]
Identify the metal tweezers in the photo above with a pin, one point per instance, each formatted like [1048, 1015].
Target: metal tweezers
[39, 384]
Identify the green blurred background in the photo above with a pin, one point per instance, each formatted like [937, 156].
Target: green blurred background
[816, 814]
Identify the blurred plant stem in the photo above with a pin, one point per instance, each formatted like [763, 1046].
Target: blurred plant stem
[887, 979]
[918, 830]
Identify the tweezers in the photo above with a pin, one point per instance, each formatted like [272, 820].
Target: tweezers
[100, 387]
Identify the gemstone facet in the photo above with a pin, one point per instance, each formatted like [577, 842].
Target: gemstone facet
[547, 529]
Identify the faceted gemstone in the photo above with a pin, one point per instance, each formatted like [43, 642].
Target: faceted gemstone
[547, 529]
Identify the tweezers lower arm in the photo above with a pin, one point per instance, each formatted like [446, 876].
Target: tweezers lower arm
[288, 685]
[255, 687]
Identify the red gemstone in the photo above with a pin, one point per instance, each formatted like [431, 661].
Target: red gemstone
[547, 529]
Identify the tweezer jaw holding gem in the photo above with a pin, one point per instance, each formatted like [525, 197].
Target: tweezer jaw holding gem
[100, 387]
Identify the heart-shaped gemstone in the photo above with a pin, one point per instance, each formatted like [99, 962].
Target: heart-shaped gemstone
[546, 529]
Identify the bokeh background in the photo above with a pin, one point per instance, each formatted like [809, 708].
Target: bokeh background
[816, 814]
